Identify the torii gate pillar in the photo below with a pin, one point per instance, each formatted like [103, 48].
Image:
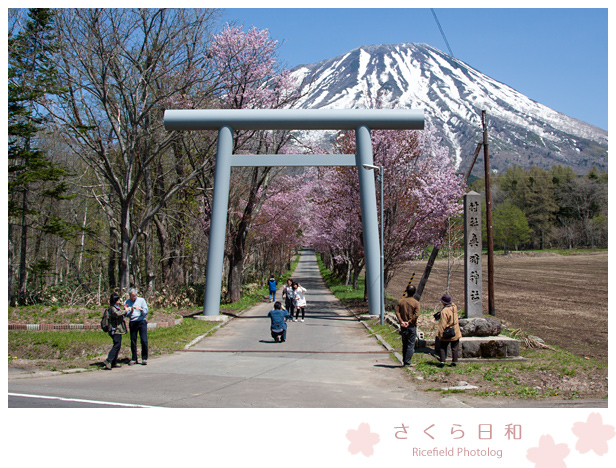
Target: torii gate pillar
[225, 121]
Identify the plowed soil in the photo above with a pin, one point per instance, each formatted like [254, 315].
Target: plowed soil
[561, 299]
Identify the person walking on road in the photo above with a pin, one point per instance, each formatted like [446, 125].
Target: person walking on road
[273, 286]
[407, 312]
[448, 331]
[137, 310]
[116, 330]
[278, 326]
[288, 293]
[300, 301]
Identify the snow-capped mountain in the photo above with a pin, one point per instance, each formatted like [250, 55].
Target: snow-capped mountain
[453, 94]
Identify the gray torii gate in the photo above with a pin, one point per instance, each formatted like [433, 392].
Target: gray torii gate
[228, 120]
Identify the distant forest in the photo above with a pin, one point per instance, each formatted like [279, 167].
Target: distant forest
[557, 208]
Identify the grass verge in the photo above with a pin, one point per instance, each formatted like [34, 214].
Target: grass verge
[70, 349]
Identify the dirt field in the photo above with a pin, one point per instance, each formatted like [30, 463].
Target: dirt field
[561, 299]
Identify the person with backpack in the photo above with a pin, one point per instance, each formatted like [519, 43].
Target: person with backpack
[448, 331]
[273, 286]
[116, 327]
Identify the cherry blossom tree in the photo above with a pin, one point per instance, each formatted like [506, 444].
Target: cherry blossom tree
[276, 231]
[249, 79]
[421, 192]
[247, 64]
[334, 221]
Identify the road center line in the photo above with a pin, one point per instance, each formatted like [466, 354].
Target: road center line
[77, 400]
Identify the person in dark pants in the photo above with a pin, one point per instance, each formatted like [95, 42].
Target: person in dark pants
[117, 329]
[448, 319]
[407, 312]
[272, 286]
[137, 310]
[288, 293]
[278, 326]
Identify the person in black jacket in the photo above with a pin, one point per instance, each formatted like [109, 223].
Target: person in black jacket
[116, 330]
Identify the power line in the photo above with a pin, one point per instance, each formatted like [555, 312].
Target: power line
[442, 32]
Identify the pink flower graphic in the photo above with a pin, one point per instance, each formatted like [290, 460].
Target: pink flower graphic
[362, 440]
[593, 434]
[548, 454]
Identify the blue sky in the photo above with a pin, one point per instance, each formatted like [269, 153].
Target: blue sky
[558, 57]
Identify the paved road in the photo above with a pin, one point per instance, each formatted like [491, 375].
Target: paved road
[328, 361]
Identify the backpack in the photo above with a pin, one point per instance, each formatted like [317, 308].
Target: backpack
[105, 326]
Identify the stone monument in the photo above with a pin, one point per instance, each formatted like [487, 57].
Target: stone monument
[472, 255]
[480, 335]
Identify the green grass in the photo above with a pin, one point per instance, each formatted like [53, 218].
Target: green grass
[523, 392]
[342, 291]
[513, 378]
[90, 344]
[389, 333]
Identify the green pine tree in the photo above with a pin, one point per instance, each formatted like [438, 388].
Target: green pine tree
[32, 175]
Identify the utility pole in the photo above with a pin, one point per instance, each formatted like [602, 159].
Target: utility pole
[486, 160]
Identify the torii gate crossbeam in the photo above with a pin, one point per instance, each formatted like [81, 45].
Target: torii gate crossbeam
[227, 120]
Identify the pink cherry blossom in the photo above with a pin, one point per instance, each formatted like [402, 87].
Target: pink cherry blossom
[362, 440]
[421, 191]
[593, 434]
[548, 454]
[246, 63]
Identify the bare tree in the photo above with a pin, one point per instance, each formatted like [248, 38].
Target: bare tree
[121, 69]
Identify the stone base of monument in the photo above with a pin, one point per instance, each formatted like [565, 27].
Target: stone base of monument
[489, 347]
[481, 339]
[481, 347]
